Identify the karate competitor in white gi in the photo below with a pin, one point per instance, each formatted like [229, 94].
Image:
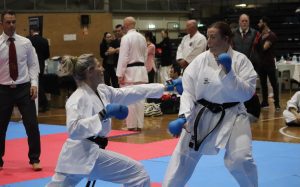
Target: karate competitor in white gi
[88, 112]
[191, 44]
[217, 90]
[131, 69]
[291, 114]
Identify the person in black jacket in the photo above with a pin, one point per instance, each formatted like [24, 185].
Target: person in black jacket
[118, 32]
[107, 52]
[41, 46]
[166, 53]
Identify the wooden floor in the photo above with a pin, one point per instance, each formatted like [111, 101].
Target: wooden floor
[270, 126]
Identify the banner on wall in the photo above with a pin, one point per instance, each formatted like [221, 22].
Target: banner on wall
[36, 21]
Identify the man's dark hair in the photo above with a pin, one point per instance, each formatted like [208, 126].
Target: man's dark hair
[10, 12]
[177, 69]
[149, 34]
[119, 25]
[166, 31]
[35, 28]
[266, 20]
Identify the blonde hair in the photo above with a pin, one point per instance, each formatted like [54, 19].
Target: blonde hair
[77, 66]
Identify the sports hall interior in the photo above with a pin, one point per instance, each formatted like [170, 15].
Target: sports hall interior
[61, 19]
[75, 27]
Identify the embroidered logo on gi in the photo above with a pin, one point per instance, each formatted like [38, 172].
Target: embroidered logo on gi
[206, 81]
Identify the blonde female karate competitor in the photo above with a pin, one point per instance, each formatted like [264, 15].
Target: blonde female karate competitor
[88, 111]
[213, 112]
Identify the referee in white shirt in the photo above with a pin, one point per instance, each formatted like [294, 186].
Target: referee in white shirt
[18, 86]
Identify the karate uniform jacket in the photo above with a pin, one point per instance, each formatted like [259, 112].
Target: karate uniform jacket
[133, 49]
[189, 47]
[78, 155]
[205, 79]
[294, 102]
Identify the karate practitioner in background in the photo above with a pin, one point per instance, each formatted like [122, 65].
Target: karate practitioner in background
[191, 44]
[213, 88]
[291, 114]
[88, 111]
[131, 69]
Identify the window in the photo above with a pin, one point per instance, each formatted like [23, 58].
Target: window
[50, 4]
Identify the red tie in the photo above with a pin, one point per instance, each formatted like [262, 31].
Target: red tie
[243, 34]
[13, 66]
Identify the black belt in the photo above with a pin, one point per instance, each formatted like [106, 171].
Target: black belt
[136, 64]
[214, 108]
[101, 142]
[13, 85]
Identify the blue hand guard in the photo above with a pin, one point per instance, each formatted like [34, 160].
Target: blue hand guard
[177, 83]
[225, 60]
[117, 111]
[175, 126]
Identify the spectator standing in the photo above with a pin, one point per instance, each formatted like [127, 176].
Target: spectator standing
[107, 52]
[245, 40]
[165, 56]
[18, 86]
[131, 69]
[119, 33]
[150, 63]
[191, 45]
[267, 69]
[41, 46]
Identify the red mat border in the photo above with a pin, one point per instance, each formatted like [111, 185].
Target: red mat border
[17, 169]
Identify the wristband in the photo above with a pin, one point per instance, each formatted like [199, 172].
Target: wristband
[181, 116]
[102, 114]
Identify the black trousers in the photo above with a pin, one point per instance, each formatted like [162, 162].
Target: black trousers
[264, 73]
[43, 102]
[20, 96]
[151, 75]
[110, 77]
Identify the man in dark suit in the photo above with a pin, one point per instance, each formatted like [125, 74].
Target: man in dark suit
[41, 46]
[245, 40]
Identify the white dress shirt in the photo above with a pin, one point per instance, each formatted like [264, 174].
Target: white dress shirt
[28, 64]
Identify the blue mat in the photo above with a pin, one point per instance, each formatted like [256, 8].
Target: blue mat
[278, 166]
[14, 131]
